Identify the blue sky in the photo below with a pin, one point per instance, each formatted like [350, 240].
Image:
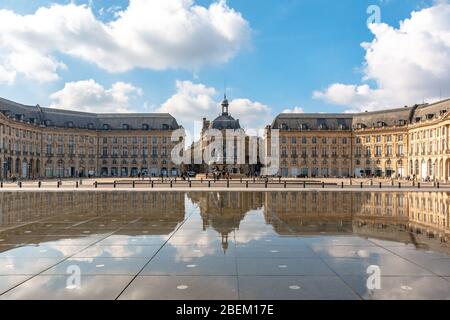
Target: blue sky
[294, 48]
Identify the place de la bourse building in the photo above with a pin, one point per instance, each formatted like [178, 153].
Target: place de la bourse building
[37, 142]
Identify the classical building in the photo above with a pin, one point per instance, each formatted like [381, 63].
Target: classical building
[46, 142]
[402, 142]
[225, 147]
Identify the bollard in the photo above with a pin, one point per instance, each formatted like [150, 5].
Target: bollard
[115, 184]
[209, 183]
[399, 185]
[170, 183]
[76, 184]
[20, 184]
[57, 184]
[437, 185]
[285, 184]
[418, 185]
[152, 184]
[304, 184]
[176, 179]
[380, 185]
[246, 184]
[134, 184]
[265, 184]
[39, 184]
[323, 185]
[342, 185]
[351, 182]
[95, 184]
[361, 185]
[190, 184]
[279, 179]
[228, 183]
[241, 180]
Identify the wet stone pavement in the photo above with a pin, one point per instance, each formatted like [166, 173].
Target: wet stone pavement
[223, 245]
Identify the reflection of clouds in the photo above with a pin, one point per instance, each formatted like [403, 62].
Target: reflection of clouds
[195, 243]
[345, 251]
[54, 287]
[112, 251]
[398, 288]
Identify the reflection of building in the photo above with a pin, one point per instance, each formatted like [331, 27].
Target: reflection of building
[413, 217]
[308, 212]
[45, 142]
[399, 142]
[165, 210]
[223, 211]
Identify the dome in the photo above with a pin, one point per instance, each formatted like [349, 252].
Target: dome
[225, 122]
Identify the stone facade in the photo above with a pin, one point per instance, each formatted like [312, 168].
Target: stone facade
[410, 142]
[40, 142]
[404, 142]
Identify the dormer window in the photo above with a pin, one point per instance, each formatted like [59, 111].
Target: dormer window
[125, 126]
[342, 127]
[381, 124]
[105, 127]
[443, 112]
[418, 119]
[430, 116]
[360, 126]
[304, 126]
[90, 126]
[401, 122]
[165, 126]
[69, 124]
[145, 126]
[284, 126]
[323, 126]
[47, 123]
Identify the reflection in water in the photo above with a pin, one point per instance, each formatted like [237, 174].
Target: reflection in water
[319, 243]
[420, 218]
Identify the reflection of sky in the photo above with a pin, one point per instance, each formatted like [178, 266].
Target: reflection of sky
[193, 242]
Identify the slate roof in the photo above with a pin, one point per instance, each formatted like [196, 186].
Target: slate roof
[225, 122]
[313, 121]
[431, 111]
[390, 117]
[65, 118]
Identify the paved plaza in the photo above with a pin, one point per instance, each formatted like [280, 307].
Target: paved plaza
[213, 245]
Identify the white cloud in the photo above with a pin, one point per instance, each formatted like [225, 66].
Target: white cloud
[7, 76]
[90, 96]
[150, 34]
[407, 64]
[192, 102]
[294, 110]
